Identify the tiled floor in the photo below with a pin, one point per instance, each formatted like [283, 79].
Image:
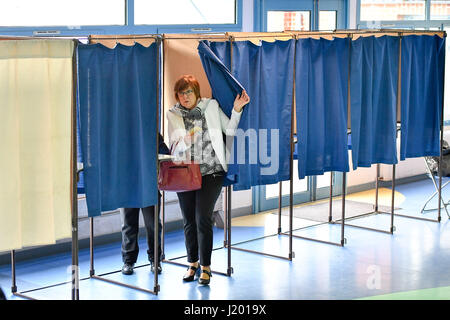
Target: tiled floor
[413, 262]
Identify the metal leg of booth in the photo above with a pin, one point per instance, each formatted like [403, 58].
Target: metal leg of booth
[343, 240]
[376, 207]
[101, 276]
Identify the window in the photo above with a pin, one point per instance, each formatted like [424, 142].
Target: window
[288, 20]
[178, 12]
[392, 10]
[26, 13]
[327, 20]
[440, 10]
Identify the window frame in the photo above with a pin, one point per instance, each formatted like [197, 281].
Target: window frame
[128, 28]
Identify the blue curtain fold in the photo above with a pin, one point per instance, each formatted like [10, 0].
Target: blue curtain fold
[215, 57]
[373, 91]
[321, 84]
[260, 151]
[117, 105]
[262, 155]
[222, 50]
[422, 89]
[223, 84]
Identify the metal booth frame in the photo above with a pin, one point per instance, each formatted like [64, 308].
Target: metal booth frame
[228, 193]
[227, 240]
[92, 275]
[290, 234]
[291, 254]
[342, 221]
[392, 213]
[73, 194]
[392, 227]
[74, 179]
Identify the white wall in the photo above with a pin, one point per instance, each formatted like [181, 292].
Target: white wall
[406, 168]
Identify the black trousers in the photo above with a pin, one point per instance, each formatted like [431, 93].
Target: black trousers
[130, 230]
[197, 208]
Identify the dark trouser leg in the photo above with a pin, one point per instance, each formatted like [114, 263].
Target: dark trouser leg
[130, 229]
[187, 205]
[205, 201]
[149, 220]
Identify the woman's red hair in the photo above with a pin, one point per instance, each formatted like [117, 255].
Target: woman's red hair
[184, 82]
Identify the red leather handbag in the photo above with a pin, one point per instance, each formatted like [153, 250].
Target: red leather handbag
[179, 176]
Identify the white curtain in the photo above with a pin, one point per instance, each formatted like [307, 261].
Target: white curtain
[35, 142]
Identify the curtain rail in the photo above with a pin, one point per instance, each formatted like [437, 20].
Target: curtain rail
[365, 31]
[235, 36]
[195, 38]
[3, 37]
[137, 37]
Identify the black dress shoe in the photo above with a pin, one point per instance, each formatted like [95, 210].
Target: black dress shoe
[203, 280]
[191, 278]
[153, 267]
[127, 268]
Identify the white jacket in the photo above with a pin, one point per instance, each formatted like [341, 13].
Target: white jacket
[217, 123]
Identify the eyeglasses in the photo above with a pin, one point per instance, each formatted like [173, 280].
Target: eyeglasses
[185, 93]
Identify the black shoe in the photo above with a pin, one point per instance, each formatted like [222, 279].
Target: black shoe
[128, 268]
[153, 267]
[205, 281]
[196, 272]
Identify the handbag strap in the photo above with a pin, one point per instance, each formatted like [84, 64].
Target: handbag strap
[173, 146]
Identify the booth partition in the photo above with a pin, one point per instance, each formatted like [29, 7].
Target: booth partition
[119, 122]
[38, 203]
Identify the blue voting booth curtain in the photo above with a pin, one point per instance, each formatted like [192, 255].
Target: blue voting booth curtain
[223, 84]
[117, 101]
[222, 50]
[422, 90]
[262, 146]
[321, 84]
[373, 91]
[215, 59]
[261, 150]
